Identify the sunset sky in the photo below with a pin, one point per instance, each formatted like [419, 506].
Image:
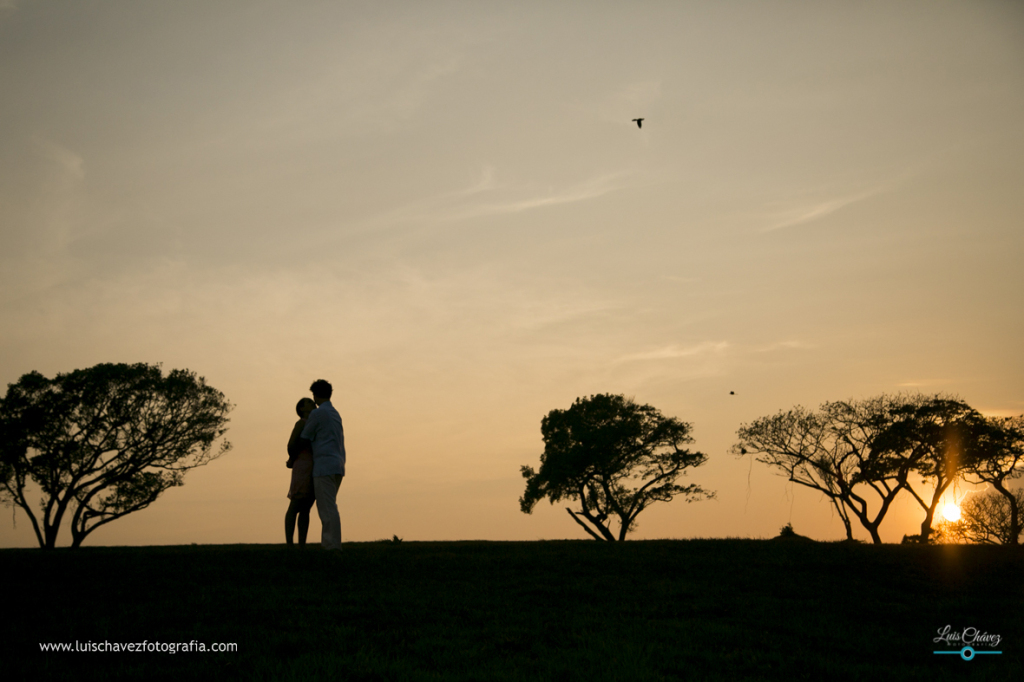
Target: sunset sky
[445, 209]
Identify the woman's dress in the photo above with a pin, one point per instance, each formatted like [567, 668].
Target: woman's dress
[301, 463]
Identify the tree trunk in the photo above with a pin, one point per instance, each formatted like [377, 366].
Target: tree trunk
[51, 536]
[926, 525]
[624, 528]
[1015, 520]
[929, 516]
[52, 527]
[78, 535]
[862, 516]
[875, 537]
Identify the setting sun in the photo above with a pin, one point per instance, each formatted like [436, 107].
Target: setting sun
[951, 512]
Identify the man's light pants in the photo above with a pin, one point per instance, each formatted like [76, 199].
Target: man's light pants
[326, 489]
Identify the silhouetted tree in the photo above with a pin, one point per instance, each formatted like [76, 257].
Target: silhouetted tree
[104, 442]
[942, 437]
[834, 451]
[985, 519]
[1001, 459]
[881, 444]
[616, 458]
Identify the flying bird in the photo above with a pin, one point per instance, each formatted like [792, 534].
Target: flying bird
[639, 122]
[732, 392]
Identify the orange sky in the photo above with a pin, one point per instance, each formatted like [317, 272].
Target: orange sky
[445, 209]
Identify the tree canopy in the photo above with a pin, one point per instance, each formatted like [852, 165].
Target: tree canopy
[615, 458]
[832, 451]
[1001, 460]
[104, 442]
[940, 438]
[865, 453]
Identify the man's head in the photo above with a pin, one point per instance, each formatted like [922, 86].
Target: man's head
[321, 391]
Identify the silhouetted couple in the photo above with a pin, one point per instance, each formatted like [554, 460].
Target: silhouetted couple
[316, 456]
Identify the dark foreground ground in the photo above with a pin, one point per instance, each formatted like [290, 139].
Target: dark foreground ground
[658, 610]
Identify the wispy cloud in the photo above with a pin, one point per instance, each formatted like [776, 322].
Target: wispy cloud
[922, 383]
[810, 211]
[68, 161]
[674, 351]
[535, 313]
[589, 189]
[784, 345]
[487, 182]
[481, 199]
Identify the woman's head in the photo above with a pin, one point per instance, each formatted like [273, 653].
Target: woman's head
[304, 407]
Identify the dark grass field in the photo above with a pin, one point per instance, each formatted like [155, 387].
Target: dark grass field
[573, 610]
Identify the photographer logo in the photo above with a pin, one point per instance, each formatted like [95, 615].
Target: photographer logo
[971, 642]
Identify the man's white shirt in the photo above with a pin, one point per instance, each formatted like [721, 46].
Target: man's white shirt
[324, 430]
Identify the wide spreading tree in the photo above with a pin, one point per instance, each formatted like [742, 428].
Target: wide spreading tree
[615, 458]
[863, 454]
[831, 450]
[103, 442]
[942, 438]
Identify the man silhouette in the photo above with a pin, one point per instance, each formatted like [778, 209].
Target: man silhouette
[326, 437]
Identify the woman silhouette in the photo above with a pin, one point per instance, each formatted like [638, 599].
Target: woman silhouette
[300, 461]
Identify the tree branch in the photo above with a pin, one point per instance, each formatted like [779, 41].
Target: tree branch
[583, 525]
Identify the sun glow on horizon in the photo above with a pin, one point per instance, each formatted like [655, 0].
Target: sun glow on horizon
[951, 512]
